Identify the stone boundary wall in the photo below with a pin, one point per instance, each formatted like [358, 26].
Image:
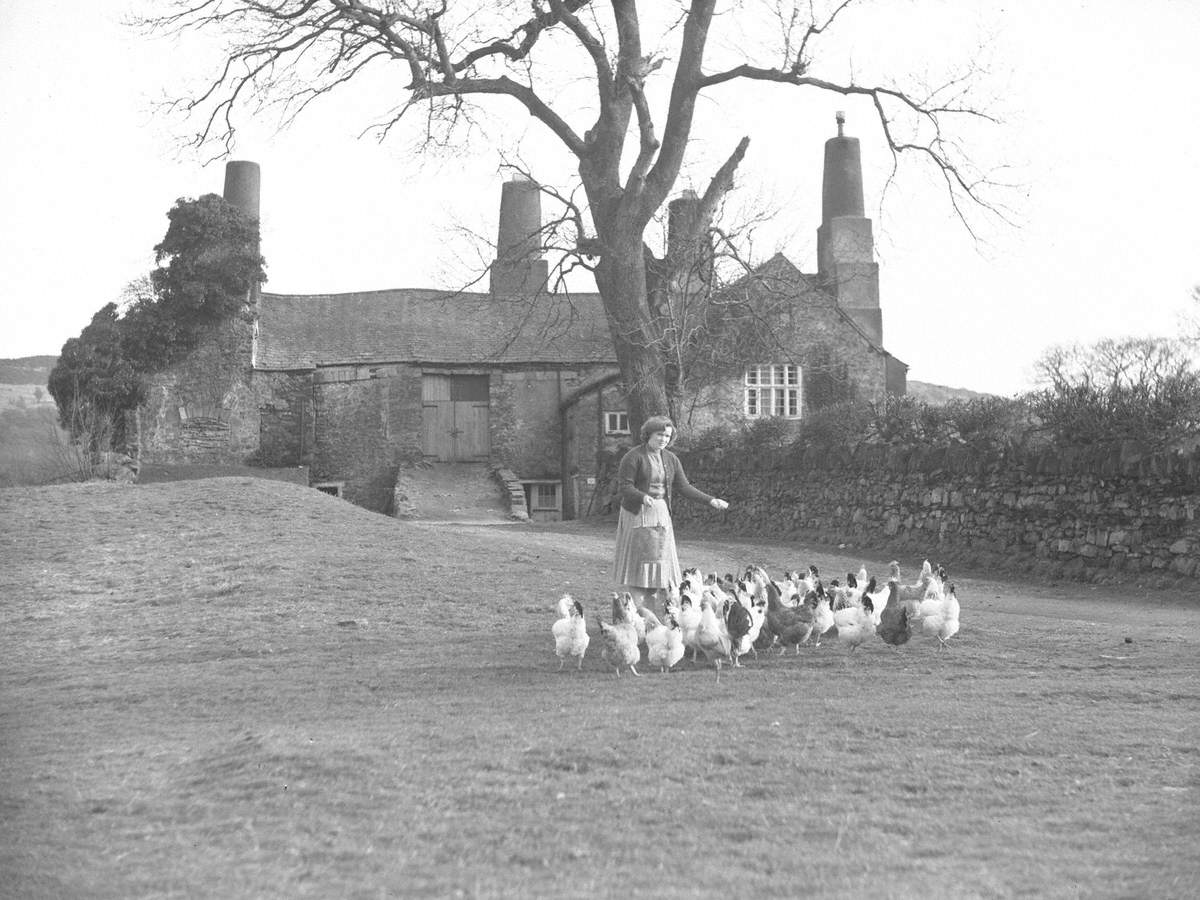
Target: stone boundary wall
[1112, 515]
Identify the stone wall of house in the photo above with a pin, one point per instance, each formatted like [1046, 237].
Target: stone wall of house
[527, 430]
[286, 418]
[523, 420]
[204, 409]
[1110, 515]
[834, 357]
[367, 422]
[592, 453]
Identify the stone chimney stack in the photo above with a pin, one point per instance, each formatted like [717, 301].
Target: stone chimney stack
[519, 267]
[845, 243]
[242, 183]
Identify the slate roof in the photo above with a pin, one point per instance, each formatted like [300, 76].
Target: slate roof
[298, 331]
[779, 274]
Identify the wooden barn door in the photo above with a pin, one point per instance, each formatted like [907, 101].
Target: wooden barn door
[454, 421]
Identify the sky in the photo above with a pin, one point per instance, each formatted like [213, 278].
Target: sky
[1096, 153]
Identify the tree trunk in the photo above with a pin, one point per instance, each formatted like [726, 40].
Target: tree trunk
[621, 279]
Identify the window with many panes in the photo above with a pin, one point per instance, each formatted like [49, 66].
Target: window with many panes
[773, 390]
[616, 423]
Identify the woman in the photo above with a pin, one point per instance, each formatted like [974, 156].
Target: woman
[646, 560]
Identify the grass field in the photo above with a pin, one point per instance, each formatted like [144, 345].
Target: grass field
[240, 688]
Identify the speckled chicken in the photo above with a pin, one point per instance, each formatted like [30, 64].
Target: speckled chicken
[712, 638]
[790, 625]
[621, 649]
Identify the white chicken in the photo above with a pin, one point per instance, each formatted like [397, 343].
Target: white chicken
[625, 601]
[879, 598]
[937, 614]
[822, 619]
[687, 614]
[664, 640]
[570, 632]
[855, 624]
[758, 617]
[621, 648]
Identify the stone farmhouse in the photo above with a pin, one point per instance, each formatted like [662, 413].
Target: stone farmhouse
[353, 390]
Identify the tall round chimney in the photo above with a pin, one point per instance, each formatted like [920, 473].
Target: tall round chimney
[242, 186]
[842, 186]
[520, 234]
[519, 267]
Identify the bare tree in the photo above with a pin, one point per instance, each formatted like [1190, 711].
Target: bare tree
[454, 54]
[1143, 389]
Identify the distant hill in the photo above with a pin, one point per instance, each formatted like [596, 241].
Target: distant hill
[937, 394]
[27, 370]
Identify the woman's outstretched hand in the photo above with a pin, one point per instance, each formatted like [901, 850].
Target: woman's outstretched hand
[718, 503]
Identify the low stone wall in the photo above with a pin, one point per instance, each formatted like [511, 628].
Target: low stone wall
[1115, 514]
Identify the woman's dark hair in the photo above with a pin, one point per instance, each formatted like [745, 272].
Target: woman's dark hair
[654, 425]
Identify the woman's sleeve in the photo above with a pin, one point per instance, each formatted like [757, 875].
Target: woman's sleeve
[684, 487]
[627, 479]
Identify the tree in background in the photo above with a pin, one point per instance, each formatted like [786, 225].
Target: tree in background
[94, 383]
[587, 71]
[1142, 389]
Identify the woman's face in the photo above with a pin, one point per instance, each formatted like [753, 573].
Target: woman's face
[660, 439]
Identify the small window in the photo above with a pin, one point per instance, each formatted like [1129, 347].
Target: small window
[773, 390]
[544, 500]
[616, 423]
[469, 388]
[333, 488]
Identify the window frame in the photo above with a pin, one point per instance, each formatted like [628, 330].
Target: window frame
[773, 391]
[609, 415]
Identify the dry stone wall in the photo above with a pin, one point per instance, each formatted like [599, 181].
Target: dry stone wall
[1111, 515]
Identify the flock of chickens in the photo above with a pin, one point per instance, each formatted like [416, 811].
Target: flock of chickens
[727, 618]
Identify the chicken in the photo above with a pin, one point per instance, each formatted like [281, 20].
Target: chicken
[629, 611]
[758, 617]
[570, 632]
[712, 638]
[893, 625]
[855, 624]
[812, 580]
[738, 624]
[822, 618]
[879, 598]
[790, 625]
[912, 593]
[687, 614]
[938, 614]
[693, 581]
[621, 646]
[664, 640]
[717, 588]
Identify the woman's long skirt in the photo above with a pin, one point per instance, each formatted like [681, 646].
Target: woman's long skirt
[645, 554]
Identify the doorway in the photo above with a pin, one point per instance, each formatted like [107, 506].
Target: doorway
[454, 418]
